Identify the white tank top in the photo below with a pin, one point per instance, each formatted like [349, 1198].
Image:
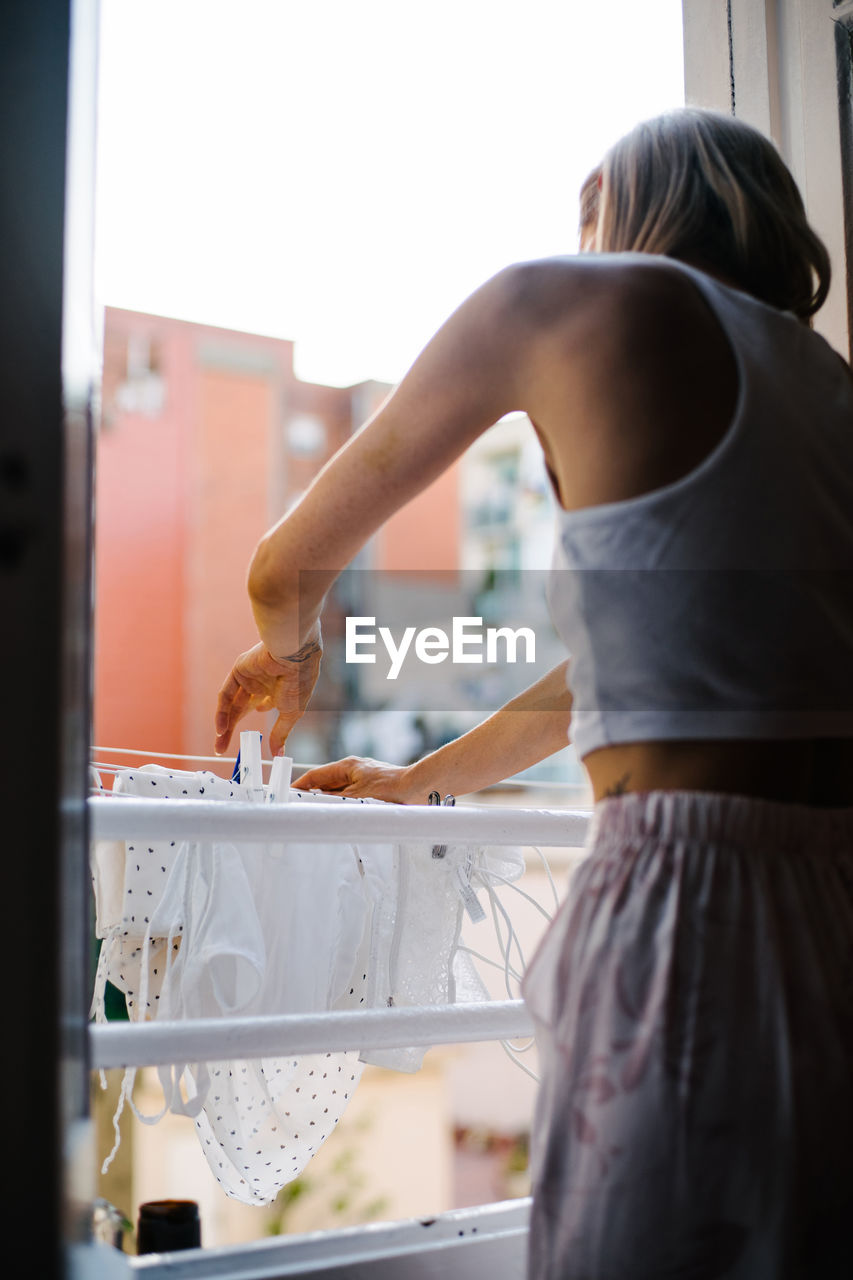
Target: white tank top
[721, 606]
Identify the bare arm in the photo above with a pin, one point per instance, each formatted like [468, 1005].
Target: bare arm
[530, 727]
[468, 376]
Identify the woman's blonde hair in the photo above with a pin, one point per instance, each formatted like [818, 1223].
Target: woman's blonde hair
[714, 192]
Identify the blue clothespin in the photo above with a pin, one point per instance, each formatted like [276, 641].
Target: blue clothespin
[251, 776]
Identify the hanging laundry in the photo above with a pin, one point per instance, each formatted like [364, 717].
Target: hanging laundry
[225, 929]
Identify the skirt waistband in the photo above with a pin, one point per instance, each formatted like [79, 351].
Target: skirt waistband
[712, 818]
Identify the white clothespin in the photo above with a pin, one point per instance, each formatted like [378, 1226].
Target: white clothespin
[278, 791]
[439, 850]
[464, 888]
[251, 776]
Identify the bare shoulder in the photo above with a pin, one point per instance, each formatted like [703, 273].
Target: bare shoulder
[623, 351]
[626, 291]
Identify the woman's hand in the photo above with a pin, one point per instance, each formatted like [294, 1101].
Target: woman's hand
[362, 777]
[260, 682]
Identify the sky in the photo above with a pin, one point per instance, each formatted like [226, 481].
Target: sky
[343, 173]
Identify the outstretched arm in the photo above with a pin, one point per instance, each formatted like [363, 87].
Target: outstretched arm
[524, 731]
[468, 376]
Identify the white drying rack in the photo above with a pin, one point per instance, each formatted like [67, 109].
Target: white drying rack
[161, 1043]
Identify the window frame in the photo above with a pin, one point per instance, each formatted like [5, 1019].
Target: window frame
[784, 65]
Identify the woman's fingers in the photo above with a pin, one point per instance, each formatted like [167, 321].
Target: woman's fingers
[259, 682]
[233, 703]
[359, 777]
[281, 731]
[326, 777]
[224, 699]
[224, 722]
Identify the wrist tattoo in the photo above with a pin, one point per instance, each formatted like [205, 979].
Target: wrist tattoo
[618, 788]
[302, 654]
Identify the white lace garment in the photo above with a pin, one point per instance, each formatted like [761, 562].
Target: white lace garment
[220, 929]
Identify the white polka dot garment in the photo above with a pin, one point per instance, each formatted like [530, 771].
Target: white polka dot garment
[218, 929]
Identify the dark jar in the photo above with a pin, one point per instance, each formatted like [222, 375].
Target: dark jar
[165, 1225]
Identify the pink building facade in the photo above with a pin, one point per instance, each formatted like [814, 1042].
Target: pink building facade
[206, 438]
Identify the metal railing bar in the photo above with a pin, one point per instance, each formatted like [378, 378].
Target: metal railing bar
[327, 823]
[151, 1044]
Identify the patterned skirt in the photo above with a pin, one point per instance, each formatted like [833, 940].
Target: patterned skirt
[693, 1000]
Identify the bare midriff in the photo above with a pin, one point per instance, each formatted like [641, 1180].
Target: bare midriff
[811, 772]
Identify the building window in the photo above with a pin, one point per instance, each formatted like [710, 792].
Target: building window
[142, 389]
[306, 435]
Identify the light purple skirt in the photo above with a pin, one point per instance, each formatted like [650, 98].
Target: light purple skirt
[694, 1008]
